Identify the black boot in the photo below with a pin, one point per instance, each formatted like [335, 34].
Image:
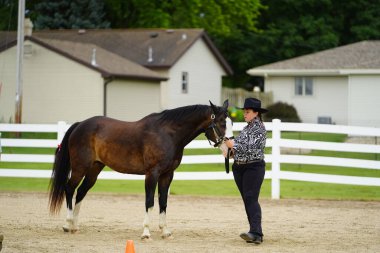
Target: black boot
[251, 238]
[1, 241]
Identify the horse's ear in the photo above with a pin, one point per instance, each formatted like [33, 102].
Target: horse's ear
[213, 107]
[225, 104]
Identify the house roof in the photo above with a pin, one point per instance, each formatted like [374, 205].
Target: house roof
[358, 58]
[167, 45]
[108, 63]
[122, 50]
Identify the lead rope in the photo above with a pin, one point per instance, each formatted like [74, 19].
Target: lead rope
[229, 132]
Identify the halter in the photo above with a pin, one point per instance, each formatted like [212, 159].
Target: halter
[218, 136]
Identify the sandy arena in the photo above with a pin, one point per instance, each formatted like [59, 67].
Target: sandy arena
[199, 224]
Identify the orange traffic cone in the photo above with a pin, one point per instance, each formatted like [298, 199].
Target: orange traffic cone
[130, 247]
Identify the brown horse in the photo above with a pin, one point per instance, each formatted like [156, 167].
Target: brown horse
[152, 146]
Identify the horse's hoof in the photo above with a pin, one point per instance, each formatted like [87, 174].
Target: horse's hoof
[167, 236]
[70, 230]
[146, 238]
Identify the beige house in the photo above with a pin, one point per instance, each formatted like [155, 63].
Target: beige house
[338, 86]
[72, 75]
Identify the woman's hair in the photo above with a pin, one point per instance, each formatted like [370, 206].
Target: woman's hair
[259, 115]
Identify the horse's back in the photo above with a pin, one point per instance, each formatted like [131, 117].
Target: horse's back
[115, 143]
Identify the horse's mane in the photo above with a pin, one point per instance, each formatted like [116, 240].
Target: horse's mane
[180, 113]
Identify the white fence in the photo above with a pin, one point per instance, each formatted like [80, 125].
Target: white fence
[276, 158]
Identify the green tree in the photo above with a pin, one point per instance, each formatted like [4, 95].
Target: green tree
[292, 28]
[70, 14]
[219, 18]
[357, 20]
[8, 14]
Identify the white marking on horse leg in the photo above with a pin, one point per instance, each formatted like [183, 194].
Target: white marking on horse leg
[70, 215]
[68, 226]
[165, 233]
[147, 219]
[75, 216]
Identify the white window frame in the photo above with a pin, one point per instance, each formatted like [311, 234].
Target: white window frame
[303, 86]
[185, 82]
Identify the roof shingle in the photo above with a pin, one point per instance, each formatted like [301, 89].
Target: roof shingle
[360, 55]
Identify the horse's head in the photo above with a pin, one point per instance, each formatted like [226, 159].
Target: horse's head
[216, 131]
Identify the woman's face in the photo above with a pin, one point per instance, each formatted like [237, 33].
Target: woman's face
[249, 115]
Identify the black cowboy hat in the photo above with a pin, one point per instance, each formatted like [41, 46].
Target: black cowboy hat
[255, 104]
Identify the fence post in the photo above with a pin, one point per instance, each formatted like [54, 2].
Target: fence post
[61, 131]
[276, 136]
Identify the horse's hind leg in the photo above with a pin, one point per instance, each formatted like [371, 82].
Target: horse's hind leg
[71, 185]
[163, 190]
[86, 185]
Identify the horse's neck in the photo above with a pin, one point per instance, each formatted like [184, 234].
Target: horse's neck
[188, 131]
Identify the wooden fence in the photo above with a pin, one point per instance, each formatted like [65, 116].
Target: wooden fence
[237, 96]
[276, 158]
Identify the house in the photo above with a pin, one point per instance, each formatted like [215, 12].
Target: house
[126, 74]
[339, 85]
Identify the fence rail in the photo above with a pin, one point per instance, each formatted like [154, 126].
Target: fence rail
[275, 158]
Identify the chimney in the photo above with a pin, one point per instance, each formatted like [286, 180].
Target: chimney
[28, 27]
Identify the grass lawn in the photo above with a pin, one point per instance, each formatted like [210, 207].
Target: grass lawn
[289, 189]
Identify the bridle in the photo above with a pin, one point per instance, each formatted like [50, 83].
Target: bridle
[218, 136]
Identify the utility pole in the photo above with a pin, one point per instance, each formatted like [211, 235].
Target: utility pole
[19, 60]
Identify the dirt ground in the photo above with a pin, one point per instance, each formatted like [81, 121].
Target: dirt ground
[199, 224]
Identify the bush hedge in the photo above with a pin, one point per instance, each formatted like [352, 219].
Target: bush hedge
[236, 114]
[282, 111]
[279, 110]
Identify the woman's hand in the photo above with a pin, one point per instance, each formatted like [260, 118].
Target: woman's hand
[230, 143]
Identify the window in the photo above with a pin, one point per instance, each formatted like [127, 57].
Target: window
[303, 86]
[185, 82]
[298, 86]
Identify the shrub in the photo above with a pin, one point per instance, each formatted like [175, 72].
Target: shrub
[236, 114]
[282, 111]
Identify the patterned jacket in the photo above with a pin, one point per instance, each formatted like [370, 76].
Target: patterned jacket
[249, 145]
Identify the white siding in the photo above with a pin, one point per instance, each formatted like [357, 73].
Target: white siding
[7, 85]
[57, 88]
[205, 79]
[60, 89]
[364, 101]
[132, 100]
[329, 98]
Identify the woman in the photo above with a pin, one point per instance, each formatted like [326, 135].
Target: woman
[249, 166]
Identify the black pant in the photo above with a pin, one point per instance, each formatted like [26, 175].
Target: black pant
[248, 178]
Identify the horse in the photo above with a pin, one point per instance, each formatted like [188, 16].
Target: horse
[152, 146]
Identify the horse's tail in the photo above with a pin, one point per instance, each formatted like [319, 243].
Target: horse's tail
[61, 170]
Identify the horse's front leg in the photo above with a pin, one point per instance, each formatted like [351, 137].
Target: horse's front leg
[163, 190]
[150, 188]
